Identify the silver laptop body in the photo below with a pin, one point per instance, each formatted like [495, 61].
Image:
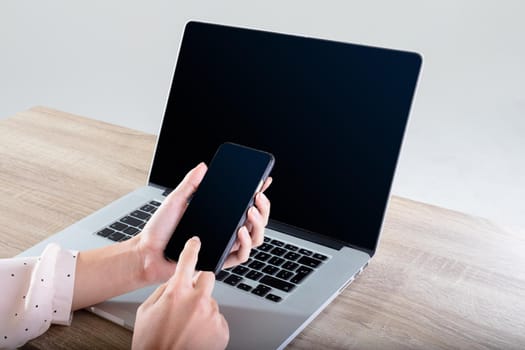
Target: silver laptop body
[386, 78]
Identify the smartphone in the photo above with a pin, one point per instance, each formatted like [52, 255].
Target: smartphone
[219, 206]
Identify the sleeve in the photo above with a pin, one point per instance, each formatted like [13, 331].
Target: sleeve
[36, 292]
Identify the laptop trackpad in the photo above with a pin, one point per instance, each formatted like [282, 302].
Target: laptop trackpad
[262, 329]
[122, 309]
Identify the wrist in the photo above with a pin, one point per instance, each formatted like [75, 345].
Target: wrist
[122, 271]
[138, 262]
[152, 267]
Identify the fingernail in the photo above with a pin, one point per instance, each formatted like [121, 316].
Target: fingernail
[195, 239]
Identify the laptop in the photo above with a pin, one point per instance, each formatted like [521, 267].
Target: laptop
[333, 114]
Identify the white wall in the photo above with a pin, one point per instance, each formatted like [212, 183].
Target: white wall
[113, 60]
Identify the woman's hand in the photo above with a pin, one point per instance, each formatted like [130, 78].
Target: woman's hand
[252, 233]
[181, 313]
[157, 232]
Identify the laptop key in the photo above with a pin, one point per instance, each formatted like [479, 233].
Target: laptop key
[118, 226]
[254, 275]
[304, 269]
[301, 274]
[116, 236]
[306, 260]
[221, 275]
[305, 252]
[265, 247]
[278, 251]
[261, 290]
[147, 208]
[247, 262]
[155, 203]
[289, 265]
[105, 232]
[232, 280]
[291, 247]
[277, 243]
[273, 297]
[244, 287]
[132, 231]
[240, 270]
[140, 215]
[276, 261]
[131, 221]
[270, 270]
[292, 256]
[262, 256]
[277, 283]
[284, 274]
[320, 256]
[256, 265]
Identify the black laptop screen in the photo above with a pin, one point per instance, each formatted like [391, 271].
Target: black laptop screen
[333, 114]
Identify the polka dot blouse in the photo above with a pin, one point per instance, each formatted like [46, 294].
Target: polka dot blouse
[35, 292]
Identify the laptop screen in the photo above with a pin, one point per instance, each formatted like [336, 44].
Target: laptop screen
[332, 113]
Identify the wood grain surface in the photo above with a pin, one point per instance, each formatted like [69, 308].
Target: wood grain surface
[439, 280]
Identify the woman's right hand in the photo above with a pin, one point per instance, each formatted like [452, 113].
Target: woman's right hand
[181, 313]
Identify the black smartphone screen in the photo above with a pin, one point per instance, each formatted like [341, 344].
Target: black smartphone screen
[218, 207]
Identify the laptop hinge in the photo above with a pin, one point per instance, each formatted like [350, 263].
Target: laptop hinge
[316, 238]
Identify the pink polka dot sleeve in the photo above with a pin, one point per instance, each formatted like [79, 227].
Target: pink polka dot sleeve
[36, 292]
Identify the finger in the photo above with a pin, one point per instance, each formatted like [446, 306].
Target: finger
[186, 263]
[183, 192]
[172, 208]
[205, 282]
[242, 253]
[258, 223]
[235, 246]
[245, 244]
[214, 306]
[249, 225]
[263, 206]
[195, 277]
[267, 183]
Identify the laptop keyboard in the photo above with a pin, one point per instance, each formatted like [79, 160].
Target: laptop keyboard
[131, 224]
[273, 271]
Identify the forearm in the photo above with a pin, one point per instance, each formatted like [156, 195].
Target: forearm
[107, 272]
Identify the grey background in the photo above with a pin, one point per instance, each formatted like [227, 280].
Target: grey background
[113, 60]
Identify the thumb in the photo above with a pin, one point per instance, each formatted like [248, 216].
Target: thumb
[172, 208]
[182, 193]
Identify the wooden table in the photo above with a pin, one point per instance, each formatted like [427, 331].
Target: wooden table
[440, 279]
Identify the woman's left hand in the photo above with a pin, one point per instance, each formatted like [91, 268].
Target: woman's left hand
[157, 232]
